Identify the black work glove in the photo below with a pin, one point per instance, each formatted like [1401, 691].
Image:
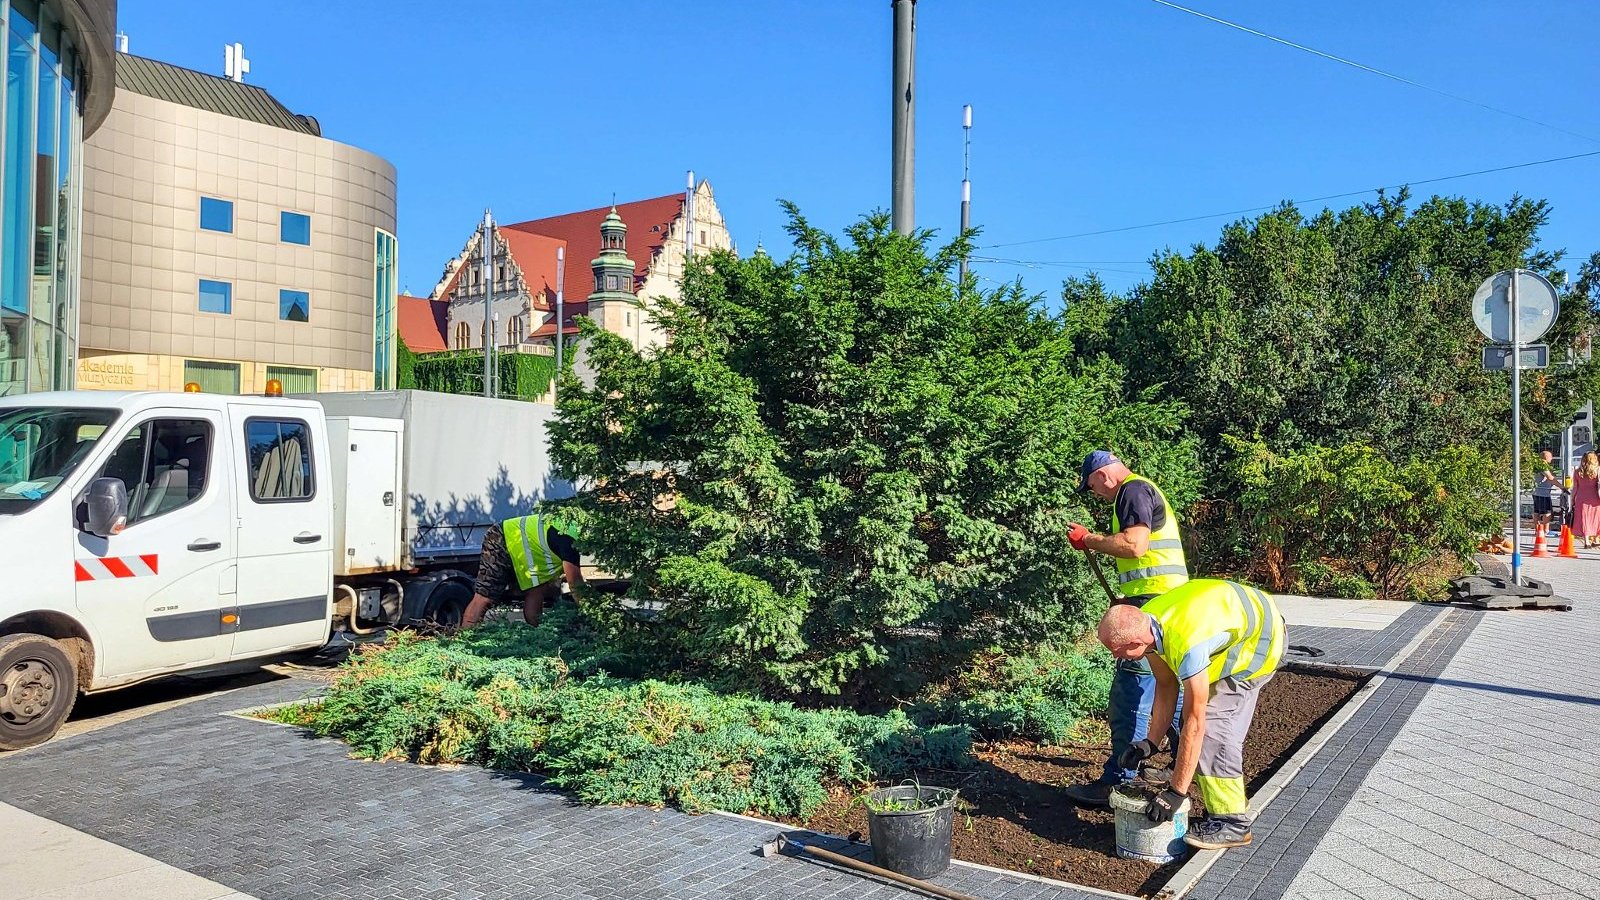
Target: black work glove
[1164, 805]
[1137, 752]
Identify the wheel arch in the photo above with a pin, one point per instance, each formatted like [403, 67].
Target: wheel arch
[66, 630]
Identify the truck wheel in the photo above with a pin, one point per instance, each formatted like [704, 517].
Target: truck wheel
[448, 604]
[38, 687]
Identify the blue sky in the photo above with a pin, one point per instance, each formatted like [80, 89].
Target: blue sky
[1088, 115]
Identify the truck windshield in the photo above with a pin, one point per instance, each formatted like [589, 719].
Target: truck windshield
[39, 448]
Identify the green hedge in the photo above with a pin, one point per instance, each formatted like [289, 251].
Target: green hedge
[522, 376]
[1040, 696]
[1348, 521]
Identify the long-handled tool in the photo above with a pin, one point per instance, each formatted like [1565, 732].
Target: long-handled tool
[1095, 568]
[777, 844]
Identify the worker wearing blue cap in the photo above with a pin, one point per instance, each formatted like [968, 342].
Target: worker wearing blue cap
[1145, 543]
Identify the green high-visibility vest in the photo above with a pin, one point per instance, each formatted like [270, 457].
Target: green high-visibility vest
[1239, 627]
[1162, 567]
[531, 557]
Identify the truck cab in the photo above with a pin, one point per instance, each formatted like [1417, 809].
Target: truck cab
[151, 533]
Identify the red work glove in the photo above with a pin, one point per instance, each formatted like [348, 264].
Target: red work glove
[1076, 533]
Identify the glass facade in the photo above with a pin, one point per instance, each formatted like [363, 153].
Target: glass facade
[39, 140]
[385, 297]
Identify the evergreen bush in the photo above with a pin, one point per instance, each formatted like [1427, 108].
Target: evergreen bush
[608, 739]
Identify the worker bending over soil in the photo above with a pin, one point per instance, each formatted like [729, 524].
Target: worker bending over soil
[1220, 641]
[1148, 550]
[533, 552]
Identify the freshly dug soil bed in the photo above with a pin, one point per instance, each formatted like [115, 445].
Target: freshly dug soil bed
[1013, 815]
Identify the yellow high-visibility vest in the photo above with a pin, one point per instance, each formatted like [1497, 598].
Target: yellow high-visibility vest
[531, 557]
[1238, 627]
[1162, 567]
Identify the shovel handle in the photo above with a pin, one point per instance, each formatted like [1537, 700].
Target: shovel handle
[870, 869]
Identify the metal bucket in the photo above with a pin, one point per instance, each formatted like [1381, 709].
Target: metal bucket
[913, 842]
[1138, 837]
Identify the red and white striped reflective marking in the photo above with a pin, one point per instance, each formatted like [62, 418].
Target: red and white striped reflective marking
[101, 568]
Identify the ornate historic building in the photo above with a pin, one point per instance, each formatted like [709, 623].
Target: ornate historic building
[613, 262]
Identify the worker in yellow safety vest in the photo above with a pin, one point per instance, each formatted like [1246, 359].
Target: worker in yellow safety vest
[1145, 543]
[1214, 643]
[532, 552]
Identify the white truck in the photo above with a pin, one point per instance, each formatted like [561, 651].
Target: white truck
[145, 534]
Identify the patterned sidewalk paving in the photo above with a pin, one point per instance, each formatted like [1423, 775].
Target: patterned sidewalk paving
[1466, 773]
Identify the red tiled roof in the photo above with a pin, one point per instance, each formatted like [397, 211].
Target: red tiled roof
[580, 231]
[421, 323]
[535, 254]
[570, 309]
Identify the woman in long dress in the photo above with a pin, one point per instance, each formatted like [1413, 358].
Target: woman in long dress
[1586, 500]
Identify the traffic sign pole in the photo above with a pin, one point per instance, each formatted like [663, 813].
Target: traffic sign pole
[1516, 432]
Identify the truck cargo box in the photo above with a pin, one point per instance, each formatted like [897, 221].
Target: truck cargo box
[463, 464]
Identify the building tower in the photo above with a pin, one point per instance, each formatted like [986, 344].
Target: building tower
[614, 306]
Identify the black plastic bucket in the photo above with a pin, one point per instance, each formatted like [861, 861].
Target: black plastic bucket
[915, 842]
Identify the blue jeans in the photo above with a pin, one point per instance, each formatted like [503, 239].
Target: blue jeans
[1133, 692]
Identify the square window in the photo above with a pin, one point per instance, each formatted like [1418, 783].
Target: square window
[216, 297]
[216, 215]
[294, 380]
[213, 377]
[294, 306]
[295, 228]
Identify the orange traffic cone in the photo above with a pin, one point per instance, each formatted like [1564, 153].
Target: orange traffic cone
[1538, 544]
[1566, 549]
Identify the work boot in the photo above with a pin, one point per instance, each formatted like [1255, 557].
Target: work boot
[1095, 794]
[1218, 833]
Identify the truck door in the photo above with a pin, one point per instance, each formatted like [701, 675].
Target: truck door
[158, 590]
[285, 530]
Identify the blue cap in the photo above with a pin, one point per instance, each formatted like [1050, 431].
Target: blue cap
[1094, 462]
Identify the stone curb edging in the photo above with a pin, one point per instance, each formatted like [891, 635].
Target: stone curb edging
[1192, 871]
[1011, 873]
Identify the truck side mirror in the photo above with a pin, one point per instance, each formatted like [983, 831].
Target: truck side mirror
[107, 501]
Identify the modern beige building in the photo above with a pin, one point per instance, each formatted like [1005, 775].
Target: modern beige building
[226, 242]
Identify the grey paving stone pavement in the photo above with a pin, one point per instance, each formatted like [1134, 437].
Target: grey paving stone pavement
[1470, 773]
[280, 815]
[1362, 649]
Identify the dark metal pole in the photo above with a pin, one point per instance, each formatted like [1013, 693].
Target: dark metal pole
[966, 180]
[902, 207]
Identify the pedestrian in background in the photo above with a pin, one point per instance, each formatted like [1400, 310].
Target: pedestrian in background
[1546, 484]
[1586, 499]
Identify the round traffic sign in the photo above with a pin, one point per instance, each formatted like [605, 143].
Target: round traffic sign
[1537, 306]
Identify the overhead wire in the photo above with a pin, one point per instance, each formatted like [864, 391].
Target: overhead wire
[1251, 209]
[1411, 82]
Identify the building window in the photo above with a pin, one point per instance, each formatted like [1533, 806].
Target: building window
[279, 453]
[213, 377]
[463, 336]
[294, 228]
[216, 215]
[294, 380]
[216, 297]
[702, 237]
[385, 297]
[294, 306]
